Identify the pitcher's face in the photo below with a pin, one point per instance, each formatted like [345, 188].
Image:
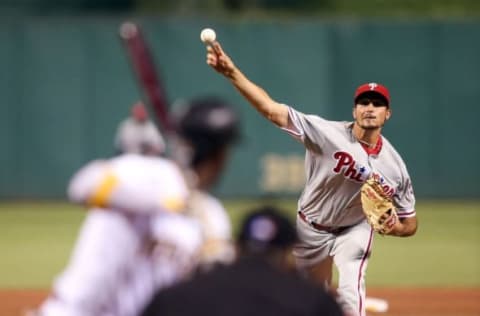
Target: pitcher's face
[371, 112]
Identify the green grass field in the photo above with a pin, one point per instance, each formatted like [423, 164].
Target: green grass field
[36, 239]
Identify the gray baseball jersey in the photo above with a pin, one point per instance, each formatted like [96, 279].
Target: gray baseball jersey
[336, 165]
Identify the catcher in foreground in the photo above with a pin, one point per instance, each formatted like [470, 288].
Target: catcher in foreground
[378, 207]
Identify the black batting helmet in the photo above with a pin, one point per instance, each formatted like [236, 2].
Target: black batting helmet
[208, 124]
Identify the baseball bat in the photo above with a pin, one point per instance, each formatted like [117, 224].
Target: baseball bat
[143, 66]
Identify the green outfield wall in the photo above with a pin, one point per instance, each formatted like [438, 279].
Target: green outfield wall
[65, 84]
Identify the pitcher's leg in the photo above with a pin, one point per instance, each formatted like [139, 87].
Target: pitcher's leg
[312, 253]
[321, 273]
[351, 251]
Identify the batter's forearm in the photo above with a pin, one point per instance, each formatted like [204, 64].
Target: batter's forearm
[259, 99]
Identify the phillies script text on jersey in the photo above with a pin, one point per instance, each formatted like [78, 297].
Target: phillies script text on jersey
[353, 171]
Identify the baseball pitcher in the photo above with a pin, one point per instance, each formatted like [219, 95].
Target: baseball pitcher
[356, 182]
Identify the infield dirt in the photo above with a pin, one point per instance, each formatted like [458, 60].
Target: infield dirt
[402, 301]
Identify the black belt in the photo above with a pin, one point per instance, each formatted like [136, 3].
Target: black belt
[328, 229]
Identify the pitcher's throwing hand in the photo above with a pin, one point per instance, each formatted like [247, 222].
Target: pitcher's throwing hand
[218, 60]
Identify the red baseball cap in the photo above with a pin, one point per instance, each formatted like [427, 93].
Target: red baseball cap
[373, 87]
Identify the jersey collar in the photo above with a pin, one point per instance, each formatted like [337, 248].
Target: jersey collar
[370, 151]
[376, 150]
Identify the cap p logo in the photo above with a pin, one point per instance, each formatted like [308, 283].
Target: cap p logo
[372, 87]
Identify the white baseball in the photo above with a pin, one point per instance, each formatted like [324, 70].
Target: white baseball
[208, 36]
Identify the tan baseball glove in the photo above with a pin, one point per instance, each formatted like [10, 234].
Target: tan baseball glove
[378, 207]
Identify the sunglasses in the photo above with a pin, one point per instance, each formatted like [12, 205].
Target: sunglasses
[375, 102]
